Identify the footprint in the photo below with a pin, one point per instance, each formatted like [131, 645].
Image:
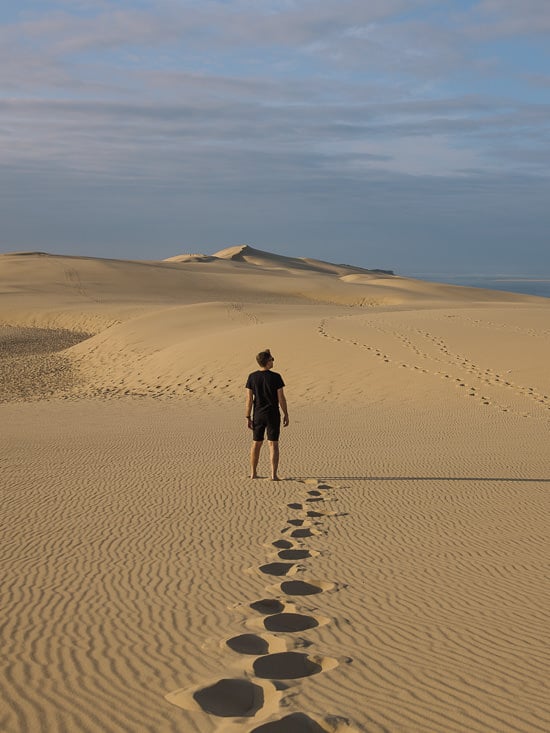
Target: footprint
[293, 723]
[278, 568]
[229, 698]
[307, 532]
[297, 554]
[267, 606]
[256, 644]
[305, 723]
[283, 544]
[290, 622]
[291, 665]
[305, 587]
[295, 505]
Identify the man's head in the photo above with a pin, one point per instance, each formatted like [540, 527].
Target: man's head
[265, 359]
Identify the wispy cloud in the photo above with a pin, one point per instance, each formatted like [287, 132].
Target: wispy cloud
[508, 18]
[272, 98]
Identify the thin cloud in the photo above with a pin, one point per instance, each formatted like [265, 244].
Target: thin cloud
[509, 18]
[387, 102]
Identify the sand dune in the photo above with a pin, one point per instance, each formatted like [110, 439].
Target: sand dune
[395, 580]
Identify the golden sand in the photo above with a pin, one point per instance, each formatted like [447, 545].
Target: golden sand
[394, 580]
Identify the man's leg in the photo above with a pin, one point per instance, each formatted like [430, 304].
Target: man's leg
[255, 457]
[274, 457]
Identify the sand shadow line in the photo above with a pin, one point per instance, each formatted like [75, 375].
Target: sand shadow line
[423, 478]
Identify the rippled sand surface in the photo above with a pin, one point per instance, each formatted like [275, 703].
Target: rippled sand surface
[395, 579]
[31, 365]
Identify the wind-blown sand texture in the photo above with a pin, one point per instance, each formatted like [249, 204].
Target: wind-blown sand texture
[395, 580]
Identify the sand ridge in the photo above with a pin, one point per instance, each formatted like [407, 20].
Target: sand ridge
[144, 325]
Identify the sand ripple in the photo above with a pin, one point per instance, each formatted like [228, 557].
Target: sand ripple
[31, 366]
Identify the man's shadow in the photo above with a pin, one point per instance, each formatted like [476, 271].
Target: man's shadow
[419, 478]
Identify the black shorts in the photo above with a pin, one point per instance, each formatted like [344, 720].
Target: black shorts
[270, 421]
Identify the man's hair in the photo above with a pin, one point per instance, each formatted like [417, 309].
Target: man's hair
[263, 357]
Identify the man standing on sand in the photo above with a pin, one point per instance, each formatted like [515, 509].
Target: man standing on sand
[264, 394]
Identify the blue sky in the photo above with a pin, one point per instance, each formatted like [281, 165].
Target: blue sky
[403, 134]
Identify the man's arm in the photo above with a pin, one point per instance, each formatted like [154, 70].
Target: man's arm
[248, 406]
[282, 401]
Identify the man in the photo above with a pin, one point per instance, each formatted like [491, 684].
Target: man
[264, 394]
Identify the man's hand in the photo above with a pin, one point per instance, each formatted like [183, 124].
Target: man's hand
[285, 420]
[250, 423]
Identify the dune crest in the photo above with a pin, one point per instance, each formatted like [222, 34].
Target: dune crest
[260, 258]
[166, 328]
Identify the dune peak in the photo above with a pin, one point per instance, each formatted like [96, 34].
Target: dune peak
[238, 252]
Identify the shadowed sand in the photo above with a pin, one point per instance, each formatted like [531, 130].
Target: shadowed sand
[290, 665]
[411, 532]
[31, 365]
[301, 723]
[256, 644]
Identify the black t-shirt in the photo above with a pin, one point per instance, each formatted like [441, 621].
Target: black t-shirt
[264, 384]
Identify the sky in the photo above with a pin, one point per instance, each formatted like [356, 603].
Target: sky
[409, 135]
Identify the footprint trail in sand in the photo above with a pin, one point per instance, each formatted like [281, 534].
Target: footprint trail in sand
[268, 653]
[404, 346]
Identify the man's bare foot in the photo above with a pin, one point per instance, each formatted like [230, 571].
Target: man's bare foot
[275, 478]
[254, 475]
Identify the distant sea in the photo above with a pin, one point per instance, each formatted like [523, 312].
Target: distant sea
[526, 285]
